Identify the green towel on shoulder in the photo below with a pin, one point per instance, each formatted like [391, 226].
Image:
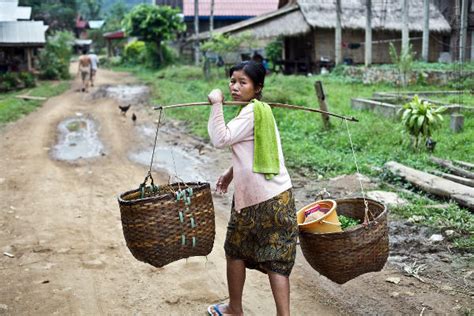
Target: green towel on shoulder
[265, 158]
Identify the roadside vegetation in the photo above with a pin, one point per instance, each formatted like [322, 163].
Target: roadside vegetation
[12, 108]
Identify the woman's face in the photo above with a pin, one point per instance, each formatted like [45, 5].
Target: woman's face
[242, 87]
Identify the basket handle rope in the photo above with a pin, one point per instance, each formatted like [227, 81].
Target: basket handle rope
[367, 211]
[180, 181]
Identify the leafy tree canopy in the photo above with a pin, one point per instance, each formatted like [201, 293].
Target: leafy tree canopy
[114, 16]
[58, 14]
[91, 9]
[153, 23]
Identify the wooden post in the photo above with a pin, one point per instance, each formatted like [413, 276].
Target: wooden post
[211, 19]
[318, 86]
[455, 26]
[463, 32]
[28, 57]
[426, 30]
[338, 37]
[457, 122]
[196, 32]
[405, 31]
[368, 34]
[109, 48]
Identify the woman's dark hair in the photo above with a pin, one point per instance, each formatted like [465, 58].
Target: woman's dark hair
[255, 71]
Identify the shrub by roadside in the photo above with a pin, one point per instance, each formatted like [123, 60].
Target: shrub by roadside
[54, 59]
[16, 80]
[12, 108]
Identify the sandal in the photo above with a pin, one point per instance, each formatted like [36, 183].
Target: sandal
[213, 310]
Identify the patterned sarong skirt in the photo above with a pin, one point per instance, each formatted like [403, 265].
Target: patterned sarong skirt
[264, 235]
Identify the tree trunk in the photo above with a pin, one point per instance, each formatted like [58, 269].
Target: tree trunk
[466, 165]
[462, 194]
[453, 169]
[468, 182]
[159, 48]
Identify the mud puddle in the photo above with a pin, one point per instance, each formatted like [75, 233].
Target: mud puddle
[179, 159]
[175, 161]
[78, 139]
[124, 94]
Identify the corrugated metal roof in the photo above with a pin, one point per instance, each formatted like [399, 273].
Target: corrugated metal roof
[82, 42]
[8, 10]
[96, 24]
[231, 7]
[22, 32]
[23, 13]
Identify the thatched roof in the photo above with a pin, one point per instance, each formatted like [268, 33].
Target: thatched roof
[295, 19]
[386, 15]
[286, 21]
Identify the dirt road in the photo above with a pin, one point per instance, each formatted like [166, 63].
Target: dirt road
[61, 222]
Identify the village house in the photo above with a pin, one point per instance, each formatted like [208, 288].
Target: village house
[20, 38]
[226, 12]
[81, 32]
[307, 28]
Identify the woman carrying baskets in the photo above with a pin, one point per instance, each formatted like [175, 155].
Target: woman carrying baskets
[262, 229]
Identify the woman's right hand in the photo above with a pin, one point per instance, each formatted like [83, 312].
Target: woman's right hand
[216, 97]
[224, 180]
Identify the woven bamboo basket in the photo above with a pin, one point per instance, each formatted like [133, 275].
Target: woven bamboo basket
[345, 255]
[173, 222]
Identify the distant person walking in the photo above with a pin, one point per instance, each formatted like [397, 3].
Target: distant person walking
[84, 70]
[94, 64]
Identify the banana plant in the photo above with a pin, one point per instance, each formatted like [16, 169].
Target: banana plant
[420, 119]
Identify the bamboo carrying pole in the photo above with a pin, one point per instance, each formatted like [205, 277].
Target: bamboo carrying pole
[276, 105]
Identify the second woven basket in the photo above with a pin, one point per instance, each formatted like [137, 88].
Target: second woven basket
[345, 255]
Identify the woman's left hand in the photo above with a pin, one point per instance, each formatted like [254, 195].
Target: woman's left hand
[216, 97]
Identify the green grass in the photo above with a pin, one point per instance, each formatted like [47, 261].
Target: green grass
[312, 151]
[11, 108]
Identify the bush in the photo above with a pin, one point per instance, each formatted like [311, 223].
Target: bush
[420, 119]
[151, 51]
[134, 53]
[9, 81]
[274, 50]
[28, 79]
[54, 59]
[15, 81]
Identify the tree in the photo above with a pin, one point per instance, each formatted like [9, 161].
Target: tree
[154, 24]
[91, 9]
[57, 14]
[55, 57]
[114, 17]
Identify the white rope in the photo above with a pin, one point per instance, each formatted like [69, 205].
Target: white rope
[358, 175]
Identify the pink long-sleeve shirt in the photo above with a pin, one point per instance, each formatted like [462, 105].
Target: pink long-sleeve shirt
[250, 188]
